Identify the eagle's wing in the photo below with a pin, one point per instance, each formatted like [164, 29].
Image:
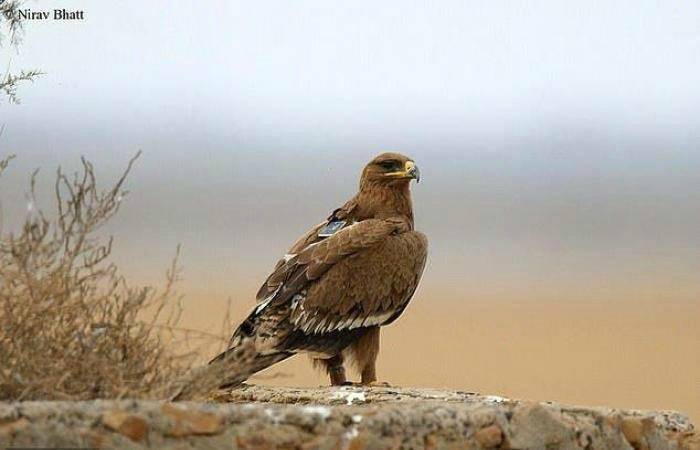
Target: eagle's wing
[368, 288]
[361, 276]
[275, 279]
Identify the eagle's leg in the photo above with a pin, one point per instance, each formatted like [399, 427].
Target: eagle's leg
[369, 375]
[365, 350]
[335, 369]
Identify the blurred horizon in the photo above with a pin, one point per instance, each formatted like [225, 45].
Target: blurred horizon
[559, 147]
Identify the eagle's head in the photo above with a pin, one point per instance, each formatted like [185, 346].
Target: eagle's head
[390, 169]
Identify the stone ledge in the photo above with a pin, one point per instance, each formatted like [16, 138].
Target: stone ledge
[347, 418]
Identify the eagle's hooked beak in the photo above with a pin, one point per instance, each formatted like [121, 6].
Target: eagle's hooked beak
[410, 170]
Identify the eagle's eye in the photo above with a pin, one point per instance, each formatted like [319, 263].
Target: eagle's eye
[390, 164]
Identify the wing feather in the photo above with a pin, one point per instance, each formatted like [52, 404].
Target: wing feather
[330, 288]
[310, 262]
[311, 237]
[368, 289]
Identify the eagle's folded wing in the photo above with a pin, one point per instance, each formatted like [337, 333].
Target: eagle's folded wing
[323, 297]
[275, 279]
[372, 287]
[311, 237]
[295, 270]
[362, 276]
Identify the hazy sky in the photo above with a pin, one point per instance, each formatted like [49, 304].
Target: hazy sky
[559, 142]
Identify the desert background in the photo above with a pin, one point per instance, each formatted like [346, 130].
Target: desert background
[559, 148]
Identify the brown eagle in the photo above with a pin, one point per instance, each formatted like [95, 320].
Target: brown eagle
[347, 276]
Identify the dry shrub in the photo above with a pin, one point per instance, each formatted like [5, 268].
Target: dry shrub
[71, 326]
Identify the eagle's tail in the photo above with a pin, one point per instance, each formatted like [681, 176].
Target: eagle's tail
[240, 362]
[228, 369]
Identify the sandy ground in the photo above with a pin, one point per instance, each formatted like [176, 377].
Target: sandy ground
[628, 354]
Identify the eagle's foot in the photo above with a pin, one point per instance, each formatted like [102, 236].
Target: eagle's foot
[376, 384]
[337, 375]
[370, 384]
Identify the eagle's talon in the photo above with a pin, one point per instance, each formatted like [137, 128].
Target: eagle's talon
[370, 384]
[377, 384]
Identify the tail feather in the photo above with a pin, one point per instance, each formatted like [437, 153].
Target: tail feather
[228, 369]
[243, 360]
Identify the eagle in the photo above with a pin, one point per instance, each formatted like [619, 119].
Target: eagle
[339, 283]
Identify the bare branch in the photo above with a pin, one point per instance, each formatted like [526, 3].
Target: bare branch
[4, 162]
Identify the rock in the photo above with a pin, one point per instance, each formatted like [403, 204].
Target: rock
[93, 438]
[322, 419]
[14, 426]
[130, 425]
[633, 430]
[690, 441]
[535, 426]
[187, 422]
[253, 443]
[489, 437]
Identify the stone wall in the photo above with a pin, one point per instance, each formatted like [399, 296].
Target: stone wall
[350, 418]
